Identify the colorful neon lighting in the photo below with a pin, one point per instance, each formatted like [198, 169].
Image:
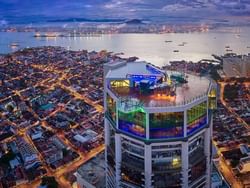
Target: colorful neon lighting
[197, 124]
[132, 128]
[166, 125]
[133, 122]
[142, 77]
[158, 133]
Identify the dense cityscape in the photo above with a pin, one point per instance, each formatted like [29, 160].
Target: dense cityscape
[52, 115]
[125, 94]
[51, 118]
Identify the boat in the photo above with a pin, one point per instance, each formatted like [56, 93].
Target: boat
[37, 35]
[182, 44]
[176, 51]
[167, 41]
[46, 35]
[14, 44]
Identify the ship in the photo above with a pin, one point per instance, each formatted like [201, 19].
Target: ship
[14, 44]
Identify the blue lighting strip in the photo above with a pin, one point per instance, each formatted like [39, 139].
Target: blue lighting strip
[201, 122]
[128, 127]
[154, 132]
[142, 77]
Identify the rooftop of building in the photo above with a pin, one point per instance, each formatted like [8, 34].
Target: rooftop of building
[94, 171]
[186, 87]
[237, 58]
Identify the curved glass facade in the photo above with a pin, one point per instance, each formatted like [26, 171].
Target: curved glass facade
[166, 125]
[157, 127]
[196, 117]
[133, 122]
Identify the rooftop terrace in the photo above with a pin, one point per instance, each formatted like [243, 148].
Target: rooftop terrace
[141, 73]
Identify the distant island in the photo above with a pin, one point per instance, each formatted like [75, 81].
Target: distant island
[107, 20]
[134, 21]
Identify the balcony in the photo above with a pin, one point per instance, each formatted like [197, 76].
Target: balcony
[133, 149]
[197, 156]
[132, 162]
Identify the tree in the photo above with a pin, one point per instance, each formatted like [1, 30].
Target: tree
[49, 181]
[65, 152]
[7, 157]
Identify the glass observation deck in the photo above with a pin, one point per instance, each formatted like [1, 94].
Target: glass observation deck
[143, 92]
[132, 117]
[163, 94]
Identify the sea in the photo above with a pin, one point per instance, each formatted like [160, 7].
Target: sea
[158, 49]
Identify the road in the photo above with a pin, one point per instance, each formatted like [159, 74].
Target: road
[224, 168]
[59, 173]
[83, 157]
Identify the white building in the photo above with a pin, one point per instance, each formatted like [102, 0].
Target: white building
[28, 154]
[236, 66]
[157, 127]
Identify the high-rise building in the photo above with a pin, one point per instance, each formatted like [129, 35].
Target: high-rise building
[158, 127]
[237, 66]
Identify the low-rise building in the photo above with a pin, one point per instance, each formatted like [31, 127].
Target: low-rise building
[28, 154]
[245, 149]
[244, 165]
[92, 174]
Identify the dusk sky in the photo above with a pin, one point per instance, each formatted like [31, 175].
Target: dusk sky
[27, 11]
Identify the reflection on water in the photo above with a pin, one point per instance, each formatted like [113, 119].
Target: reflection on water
[149, 47]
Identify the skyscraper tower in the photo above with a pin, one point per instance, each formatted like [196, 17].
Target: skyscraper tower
[158, 127]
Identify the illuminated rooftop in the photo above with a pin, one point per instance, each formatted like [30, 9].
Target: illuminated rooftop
[144, 73]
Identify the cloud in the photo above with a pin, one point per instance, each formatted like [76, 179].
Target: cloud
[3, 22]
[175, 7]
[88, 6]
[155, 10]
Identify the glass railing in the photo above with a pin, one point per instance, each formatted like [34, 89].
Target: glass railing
[132, 161]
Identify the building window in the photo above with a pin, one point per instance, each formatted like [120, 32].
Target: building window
[111, 108]
[119, 83]
[133, 122]
[166, 125]
[196, 117]
[212, 104]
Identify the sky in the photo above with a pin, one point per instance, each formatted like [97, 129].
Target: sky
[31, 11]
